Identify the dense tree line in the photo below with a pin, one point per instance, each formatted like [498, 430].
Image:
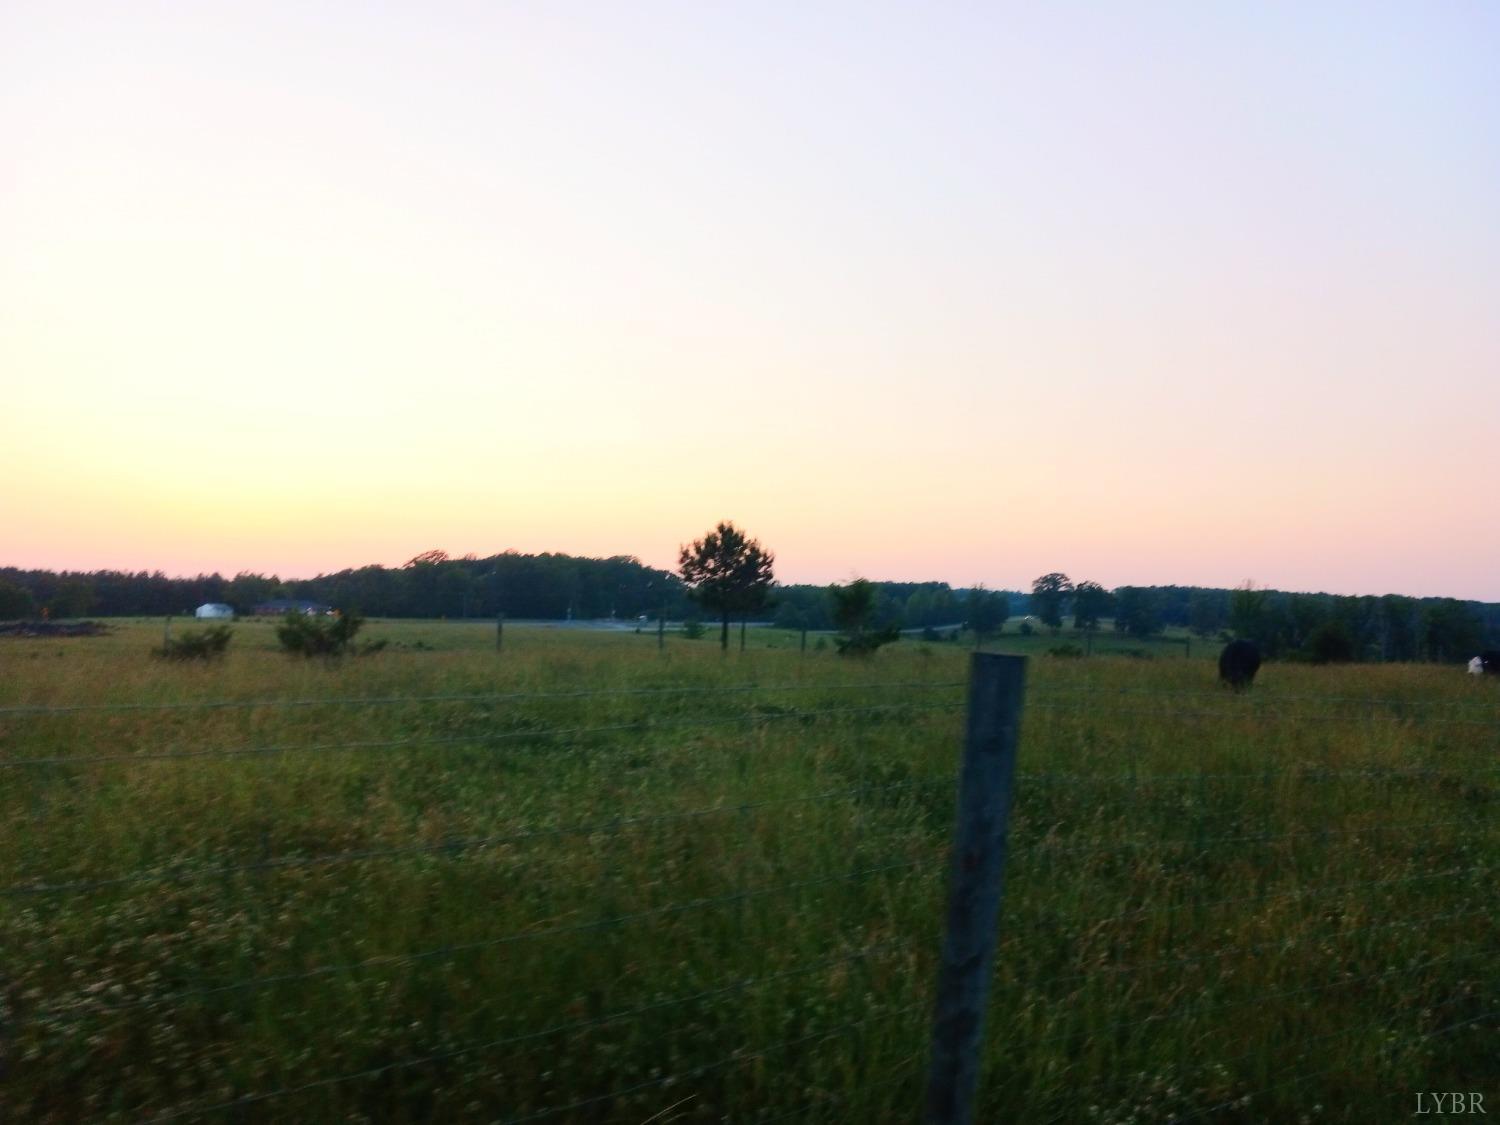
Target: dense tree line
[1316, 627]
[555, 587]
[904, 605]
[544, 586]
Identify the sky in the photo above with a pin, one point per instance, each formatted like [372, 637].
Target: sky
[1146, 293]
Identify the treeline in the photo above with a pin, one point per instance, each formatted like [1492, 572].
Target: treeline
[431, 585]
[901, 605]
[1316, 627]
[557, 587]
[434, 585]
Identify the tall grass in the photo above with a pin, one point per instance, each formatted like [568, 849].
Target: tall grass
[592, 882]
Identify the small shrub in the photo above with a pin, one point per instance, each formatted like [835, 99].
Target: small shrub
[307, 635]
[692, 629]
[1329, 643]
[1026, 629]
[865, 643]
[209, 644]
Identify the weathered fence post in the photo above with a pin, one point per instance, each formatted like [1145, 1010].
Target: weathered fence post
[976, 884]
[499, 631]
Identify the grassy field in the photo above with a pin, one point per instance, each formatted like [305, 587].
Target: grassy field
[582, 880]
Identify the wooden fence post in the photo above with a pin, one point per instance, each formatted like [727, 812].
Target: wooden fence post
[977, 883]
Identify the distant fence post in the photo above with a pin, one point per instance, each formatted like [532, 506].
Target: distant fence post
[977, 883]
[661, 630]
[499, 631]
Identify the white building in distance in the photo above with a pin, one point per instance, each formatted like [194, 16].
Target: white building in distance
[214, 609]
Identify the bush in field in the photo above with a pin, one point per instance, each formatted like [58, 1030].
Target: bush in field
[209, 644]
[853, 609]
[1330, 643]
[307, 635]
[692, 629]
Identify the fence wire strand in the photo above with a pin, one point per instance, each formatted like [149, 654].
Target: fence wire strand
[585, 1024]
[1247, 1099]
[1282, 944]
[1259, 715]
[464, 844]
[1245, 1056]
[1245, 900]
[738, 1058]
[1123, 1026]
[399, 960]
[1323, 833]
[475, 697]
[646, 725]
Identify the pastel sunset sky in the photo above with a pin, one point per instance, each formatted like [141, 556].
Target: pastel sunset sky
[1148, 293]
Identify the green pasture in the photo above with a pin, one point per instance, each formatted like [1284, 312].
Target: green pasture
[581, 880]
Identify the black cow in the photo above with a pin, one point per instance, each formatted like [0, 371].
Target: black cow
[1238, 664]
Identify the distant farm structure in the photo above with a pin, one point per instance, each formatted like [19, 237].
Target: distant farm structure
[280, 607]
[214, 610]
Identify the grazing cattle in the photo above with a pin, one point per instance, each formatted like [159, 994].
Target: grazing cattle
[1487, 661]
[1238, 664]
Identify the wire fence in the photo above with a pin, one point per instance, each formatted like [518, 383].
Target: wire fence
[706, 902]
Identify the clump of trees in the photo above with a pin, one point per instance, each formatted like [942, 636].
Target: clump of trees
[1049, 597]
[727, 572]
[988, 610]
[1137, 611]
[853, 613]
[203, 644]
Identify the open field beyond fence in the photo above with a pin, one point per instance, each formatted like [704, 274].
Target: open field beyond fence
[582, 880]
